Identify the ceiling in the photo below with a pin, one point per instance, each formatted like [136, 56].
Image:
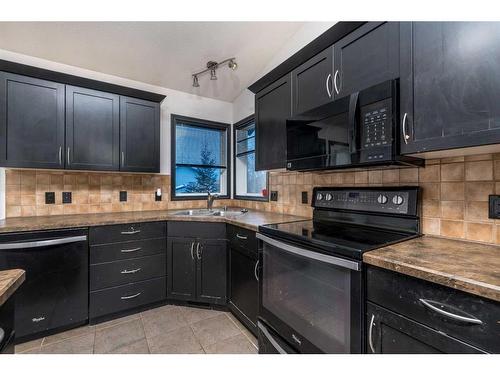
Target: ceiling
[158, 53]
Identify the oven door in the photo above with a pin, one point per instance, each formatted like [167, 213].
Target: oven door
[312, 300]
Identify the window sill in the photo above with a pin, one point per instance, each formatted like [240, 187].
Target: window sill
[250, 198]
[198, 198]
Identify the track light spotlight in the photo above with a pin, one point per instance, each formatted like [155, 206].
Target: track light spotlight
[195, 81]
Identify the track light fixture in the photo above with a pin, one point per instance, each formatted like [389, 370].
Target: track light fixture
[212, 67]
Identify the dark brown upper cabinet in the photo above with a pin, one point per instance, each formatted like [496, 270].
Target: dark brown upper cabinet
[273, 106]
[92, 129]
[450, 85]
[139, 135]
[312, 82]
[367, 56]
[31, 122]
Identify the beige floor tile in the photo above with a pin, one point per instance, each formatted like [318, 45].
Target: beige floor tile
[80, 331]
[138, 347]
[75, 345]
[113, 339]
[194, 315]
[238, 344]
[30, 345]
[179, 341]
[210, 331]
[114, 322]
[162, 320]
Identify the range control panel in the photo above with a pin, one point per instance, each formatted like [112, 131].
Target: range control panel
[376, 133]
[395, 201]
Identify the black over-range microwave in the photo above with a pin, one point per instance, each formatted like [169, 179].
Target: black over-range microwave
[358, 130]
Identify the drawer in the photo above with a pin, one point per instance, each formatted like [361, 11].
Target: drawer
[106, 275]
[127, 232]
[127, 250]
[411, 297]
[126, 297]
[196, 229]
[242, 237]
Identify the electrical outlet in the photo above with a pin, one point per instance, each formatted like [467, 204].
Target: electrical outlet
[304, 197]
[50, 197]
[66, 197]
[494, 207]
[274, 195]
[123, 196]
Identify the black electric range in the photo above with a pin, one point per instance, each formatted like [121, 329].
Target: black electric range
[311, 272]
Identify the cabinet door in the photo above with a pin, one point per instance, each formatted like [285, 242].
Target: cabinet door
[312, 82]
[244, 295]
[272, 107]
[367, 56]
[450, 85]
[92, 129]
[31, 122]
[139, 135]
[211, 271]
[181, 269]
[391, 333]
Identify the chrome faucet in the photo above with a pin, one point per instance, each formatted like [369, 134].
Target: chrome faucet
[210, 200]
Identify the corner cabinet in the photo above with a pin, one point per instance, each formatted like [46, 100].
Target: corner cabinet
[139, 135]
[450, 85]
[92, 129]
[31, 122]
[273, 105]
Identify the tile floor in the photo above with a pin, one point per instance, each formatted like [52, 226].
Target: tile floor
[163, 330]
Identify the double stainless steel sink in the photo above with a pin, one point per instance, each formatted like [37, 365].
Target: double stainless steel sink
[214, 212]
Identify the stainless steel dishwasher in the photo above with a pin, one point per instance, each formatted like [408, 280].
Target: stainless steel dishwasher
[55, 293]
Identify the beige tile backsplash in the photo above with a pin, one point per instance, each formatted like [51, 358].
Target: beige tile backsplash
[454, 193]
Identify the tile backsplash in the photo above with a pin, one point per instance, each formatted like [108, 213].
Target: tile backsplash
[454, 193]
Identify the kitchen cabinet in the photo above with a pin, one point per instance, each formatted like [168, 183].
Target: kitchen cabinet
[92, 129]
[450, 85]
[244, 281]
[197, 262]
[31, 122]
[312, 82]
[139, 135]
[272, 107]
[7, 331]
[410, 315]
[366, 57]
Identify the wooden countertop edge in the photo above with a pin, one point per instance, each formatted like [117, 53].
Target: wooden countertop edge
[13, 285]
[467, 285]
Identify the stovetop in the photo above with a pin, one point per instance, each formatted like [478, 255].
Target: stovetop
[351, 221]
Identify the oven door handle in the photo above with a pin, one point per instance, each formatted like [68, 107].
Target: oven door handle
[271, 339]
[341, 262]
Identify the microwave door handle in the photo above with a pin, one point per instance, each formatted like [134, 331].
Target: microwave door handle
[353, 107]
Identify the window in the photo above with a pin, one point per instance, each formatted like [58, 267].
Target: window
[199, 158]
[248, 184]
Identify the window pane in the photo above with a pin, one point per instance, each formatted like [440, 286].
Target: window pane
[245, 132]
[201, 146]
[248, 181]
[197, 181]
[245, 145]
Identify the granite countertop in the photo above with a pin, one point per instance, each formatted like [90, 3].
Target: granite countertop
[468, 266]
[250, 220]
[10, 280]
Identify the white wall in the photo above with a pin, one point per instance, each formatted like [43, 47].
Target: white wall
[243, 105]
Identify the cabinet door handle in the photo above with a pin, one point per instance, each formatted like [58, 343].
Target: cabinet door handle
[131, 232]
[256, 274]
[370, 333]
[68, 154]
[241, 237]
[60, 155]
[405, 134]
[131, 250]
[328, 78]
[192, 248]
[198, 251]
[125, 272]
[132, 296]
[335, 82]
[123, 158]
[460, 318]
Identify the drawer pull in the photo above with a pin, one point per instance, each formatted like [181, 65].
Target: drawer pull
[460, 318]
[37, 320]
[241, 237]
[131, 250]
[132, 232]
[131, 271]
[132, 296]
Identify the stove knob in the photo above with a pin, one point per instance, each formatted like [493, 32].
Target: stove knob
[328, 197]
[382, 199]
[319, 196]
[397, 199]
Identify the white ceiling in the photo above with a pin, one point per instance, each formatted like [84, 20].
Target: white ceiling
[158, 53]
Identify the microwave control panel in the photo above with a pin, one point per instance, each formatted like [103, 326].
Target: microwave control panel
[376, 131]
